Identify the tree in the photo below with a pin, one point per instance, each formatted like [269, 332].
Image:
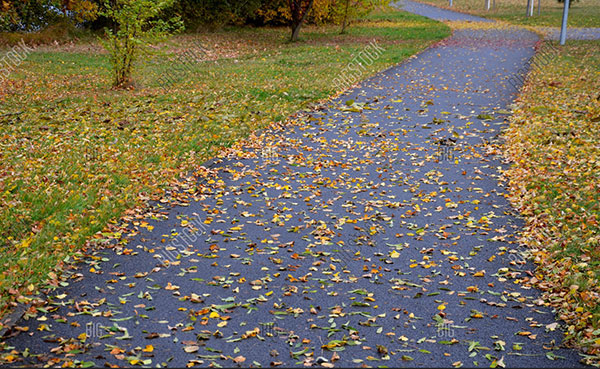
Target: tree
[136, 27]
[345, 21]
[79, 10]
[212, 14]
[33, 15]
[25, 15]
[346, 10]
[299, 9]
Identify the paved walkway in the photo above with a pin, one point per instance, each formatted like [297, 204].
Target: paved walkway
[436, 13]
[553, 33]
[374, 233]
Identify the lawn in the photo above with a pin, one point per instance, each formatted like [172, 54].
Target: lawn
[583, 13]
[554, 143]
[76, 156]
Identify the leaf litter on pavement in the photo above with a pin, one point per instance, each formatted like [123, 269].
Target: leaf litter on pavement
[343, 238]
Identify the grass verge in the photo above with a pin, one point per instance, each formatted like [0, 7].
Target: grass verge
[75, 155]
[583, 13]
[554, 142]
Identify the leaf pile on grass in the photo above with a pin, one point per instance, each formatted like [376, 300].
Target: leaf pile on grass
[554, 143]
[74, 155]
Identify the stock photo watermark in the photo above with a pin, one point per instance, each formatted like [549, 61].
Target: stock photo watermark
[184, 61]
[270, 332]
[94, 330]
[345, 256]
[545, 55]
[268, 154]
[13, 59]
[179, 245]
[519, 256]
[349, 75]
[445, 330]
[91, 151]
[445, 149]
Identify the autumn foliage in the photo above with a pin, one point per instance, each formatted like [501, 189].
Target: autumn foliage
[35, 14]
[554, 143]
[136, 27]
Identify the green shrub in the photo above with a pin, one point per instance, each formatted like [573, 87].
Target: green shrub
[136, 26]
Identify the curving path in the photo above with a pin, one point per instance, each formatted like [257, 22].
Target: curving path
[553, 33]
[353, 238]
[436, 13]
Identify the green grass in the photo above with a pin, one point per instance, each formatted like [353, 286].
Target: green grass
[554, 142]
[76, 154]
[583, 13]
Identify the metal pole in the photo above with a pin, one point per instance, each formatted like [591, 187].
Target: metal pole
[563, 29]
[531, 8]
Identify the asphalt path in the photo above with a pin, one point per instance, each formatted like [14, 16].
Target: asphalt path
[373, 231]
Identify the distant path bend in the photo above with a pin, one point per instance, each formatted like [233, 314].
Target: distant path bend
[436, 13]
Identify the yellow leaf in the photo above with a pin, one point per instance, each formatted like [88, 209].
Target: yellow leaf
[239, 359]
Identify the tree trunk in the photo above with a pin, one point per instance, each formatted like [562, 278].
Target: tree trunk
[295, 32]
[345, 17]
[298, 16]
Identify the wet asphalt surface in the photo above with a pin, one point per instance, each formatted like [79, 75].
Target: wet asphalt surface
[437, 13]
[373, 232]
[573, 33]
[552, 33]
